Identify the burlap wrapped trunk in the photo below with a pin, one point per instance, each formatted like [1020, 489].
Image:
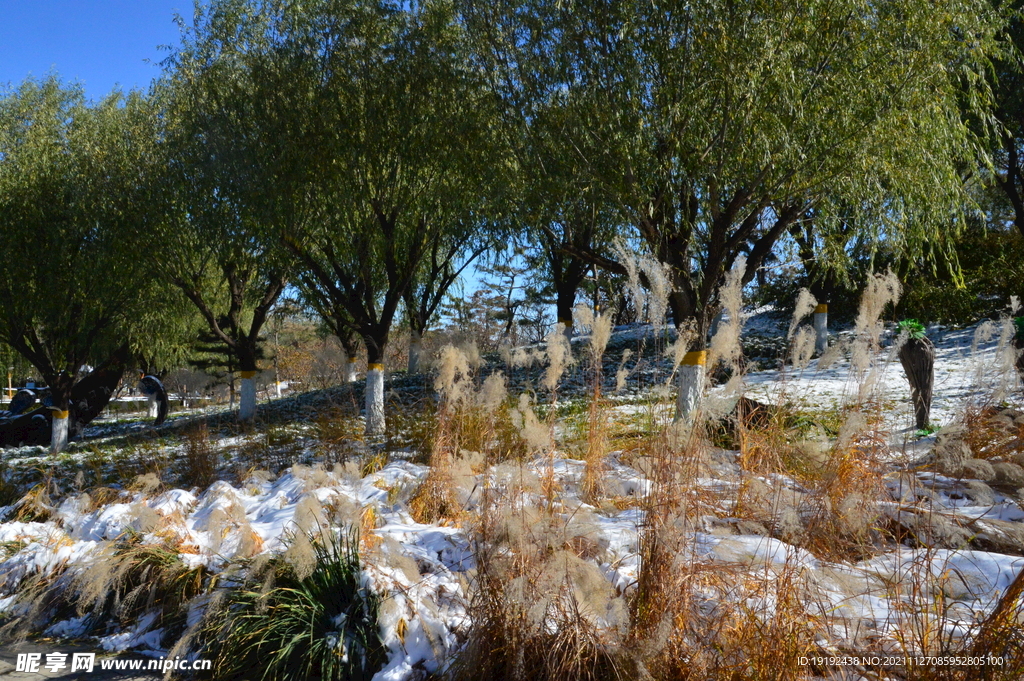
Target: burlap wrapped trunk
[918, 359]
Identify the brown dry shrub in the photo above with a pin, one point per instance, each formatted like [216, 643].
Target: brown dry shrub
[200, 458]
[844, 518]
[1000, 635]
[723, 623]
[540, 608]
[37, 505]
[435, 498]
[992, 432]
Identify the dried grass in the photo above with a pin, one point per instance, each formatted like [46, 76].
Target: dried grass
[725, 345]
[805, 304]
[200, 457]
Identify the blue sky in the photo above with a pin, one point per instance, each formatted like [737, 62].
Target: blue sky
[100, 43]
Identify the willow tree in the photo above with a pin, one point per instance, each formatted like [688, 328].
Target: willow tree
[715, 126]
[1009, 90]
[225, 197]
[570, 222]
[73, 199]
[400, 143]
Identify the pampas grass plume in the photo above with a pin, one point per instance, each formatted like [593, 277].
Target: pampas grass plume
[452, 372]
[805, 304]
[725, 345]
[559, 354]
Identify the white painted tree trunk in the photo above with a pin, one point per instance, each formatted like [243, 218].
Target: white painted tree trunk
[820, 329]
[154, 407]
[247, 396]
[59, 432]
[375, 399]
[566, 328]
[690, 384]
[415, 348]
[351, 370]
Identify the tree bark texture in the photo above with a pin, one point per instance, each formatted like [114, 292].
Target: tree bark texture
[918, 359]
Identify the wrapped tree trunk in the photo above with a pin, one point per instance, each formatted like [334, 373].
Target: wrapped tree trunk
[691, 383]
[60, 411]
[918, 359]
[565, 301]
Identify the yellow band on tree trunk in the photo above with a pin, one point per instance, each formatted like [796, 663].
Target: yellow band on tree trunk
[565, 322]
[820, 309]
[353, 360]
[698, 357]
[58, 414]
[375, 365]
[247, 374]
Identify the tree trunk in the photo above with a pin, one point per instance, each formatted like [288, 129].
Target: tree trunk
[60, 393]
[820, 329]
[247, 396]
[716, 322]
[918, 359]
[59, 431]
[351, 345]
[415, 348]
[565, 298]
[375, 420]
[92, 394]
[247, 353]
[690, 384]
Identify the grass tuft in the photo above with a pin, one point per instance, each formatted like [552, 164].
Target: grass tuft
[323, 625]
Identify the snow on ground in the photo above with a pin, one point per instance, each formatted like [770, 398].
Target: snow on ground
[423, 569]
[970, 370]
[426, 605]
